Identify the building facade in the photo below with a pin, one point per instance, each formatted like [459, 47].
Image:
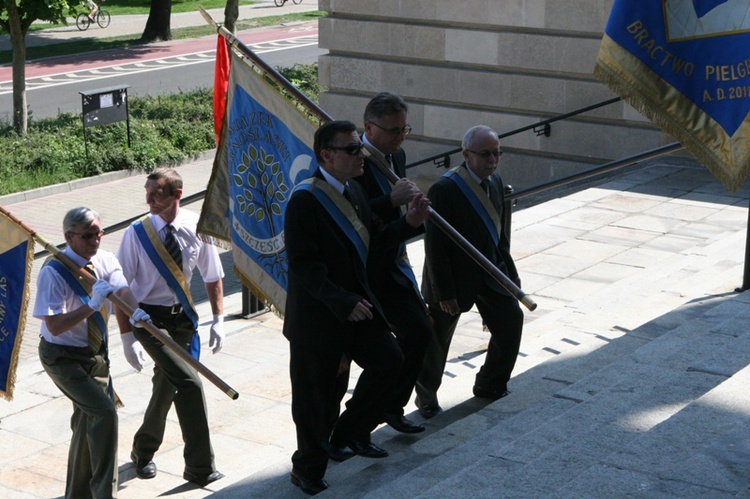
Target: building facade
[503, 63]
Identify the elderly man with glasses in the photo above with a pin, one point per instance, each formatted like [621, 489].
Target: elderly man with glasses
[471, 199]
[73, 350]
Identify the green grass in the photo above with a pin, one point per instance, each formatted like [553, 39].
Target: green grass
[97, 44]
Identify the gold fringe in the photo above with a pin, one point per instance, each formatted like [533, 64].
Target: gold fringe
[617, 68]
[255, 290]
[8, 395]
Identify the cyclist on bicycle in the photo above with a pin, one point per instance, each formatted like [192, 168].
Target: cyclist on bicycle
[91, 5]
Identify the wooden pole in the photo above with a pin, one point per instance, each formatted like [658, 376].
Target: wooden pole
[122, 305]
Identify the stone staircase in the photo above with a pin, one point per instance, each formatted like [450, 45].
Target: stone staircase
[590, 415]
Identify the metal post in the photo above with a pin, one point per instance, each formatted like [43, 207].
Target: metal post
[746, 277]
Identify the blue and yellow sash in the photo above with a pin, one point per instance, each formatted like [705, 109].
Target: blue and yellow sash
[404, 266]
[478, 200]
[342, 213]
[169, 270]
[96, 322]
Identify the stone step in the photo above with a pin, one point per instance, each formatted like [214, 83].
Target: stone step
[557, 423]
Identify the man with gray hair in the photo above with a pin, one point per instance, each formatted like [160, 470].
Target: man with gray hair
[73, 350]
[471, 199]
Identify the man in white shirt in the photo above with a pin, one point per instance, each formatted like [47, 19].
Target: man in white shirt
[158, 255]
[73, 350]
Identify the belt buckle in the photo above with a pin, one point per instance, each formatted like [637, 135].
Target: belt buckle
[176, 309]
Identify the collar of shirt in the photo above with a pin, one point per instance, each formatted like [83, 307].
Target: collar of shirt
[333, 181]
[159, 223]
[473, 175]
[367, 142]
[75, 257]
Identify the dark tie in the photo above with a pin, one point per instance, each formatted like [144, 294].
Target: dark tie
[173, 247]
[389, 159]
[90, 269]
[348, 196]
[485, 187]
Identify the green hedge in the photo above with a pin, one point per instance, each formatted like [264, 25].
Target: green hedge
[164, 130]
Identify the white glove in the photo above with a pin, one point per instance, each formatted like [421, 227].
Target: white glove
[139, 316]
[133, 350]
[99, 292]
[216, 340]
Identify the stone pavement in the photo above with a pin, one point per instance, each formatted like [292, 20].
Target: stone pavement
[632, 378]
[134, 24]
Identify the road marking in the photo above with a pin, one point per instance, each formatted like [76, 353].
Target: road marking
[6, 87]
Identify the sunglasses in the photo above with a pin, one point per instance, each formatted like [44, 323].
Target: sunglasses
[351, 150]
[86, 236]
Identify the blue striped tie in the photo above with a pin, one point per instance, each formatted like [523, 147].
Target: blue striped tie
[173, 247]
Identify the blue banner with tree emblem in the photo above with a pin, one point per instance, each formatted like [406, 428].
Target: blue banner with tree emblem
[264, 151]
[16, 258]
[685, 64]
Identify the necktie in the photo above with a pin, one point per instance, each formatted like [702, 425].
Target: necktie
[485, 187]
[389, 159]
[95, 336]
[348, 196]
[173, 247]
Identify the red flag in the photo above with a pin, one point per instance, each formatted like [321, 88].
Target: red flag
[221, 83]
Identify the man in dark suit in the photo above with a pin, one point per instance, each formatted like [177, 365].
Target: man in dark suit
[391, 277]
[331, 310]
[470, 198]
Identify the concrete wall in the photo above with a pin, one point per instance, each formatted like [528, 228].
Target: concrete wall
[503, 63]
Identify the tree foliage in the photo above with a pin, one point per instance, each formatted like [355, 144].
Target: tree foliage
[15, 18]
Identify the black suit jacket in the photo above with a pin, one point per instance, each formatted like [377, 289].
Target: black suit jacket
[382, 263]
[326, 275]
[449, 273]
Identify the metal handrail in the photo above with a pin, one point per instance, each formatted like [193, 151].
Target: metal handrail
[534, 126]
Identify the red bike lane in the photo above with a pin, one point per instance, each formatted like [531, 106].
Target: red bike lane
[154, 51]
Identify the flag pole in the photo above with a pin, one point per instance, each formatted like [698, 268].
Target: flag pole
[315, 110]
[122, 305]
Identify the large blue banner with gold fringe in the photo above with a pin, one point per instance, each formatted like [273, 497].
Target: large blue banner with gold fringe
[264, 151]
[16, 258]
[685, 64]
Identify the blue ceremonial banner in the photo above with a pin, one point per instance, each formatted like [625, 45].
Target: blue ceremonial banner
[16, 258]
[685, 64]
[264, 151]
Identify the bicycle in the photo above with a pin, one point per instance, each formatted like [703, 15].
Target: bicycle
[280, 3]
[101, 17]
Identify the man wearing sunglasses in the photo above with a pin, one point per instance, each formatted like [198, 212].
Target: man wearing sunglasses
[73, 350]
[471, 199]
[331, 310]
[390, 274]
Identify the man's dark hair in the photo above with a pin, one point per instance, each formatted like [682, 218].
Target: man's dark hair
[326, 134]
[384, 104]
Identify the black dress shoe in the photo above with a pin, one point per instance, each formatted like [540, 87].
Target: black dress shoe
[308, 485]
[367, 449]
[144, 468]
[489, 394]
[429, 411]
[400, 423]
[338, 453]
[202, 479]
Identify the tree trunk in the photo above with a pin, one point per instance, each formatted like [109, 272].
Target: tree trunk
[18, 47]
[159, 21]
[231, 14]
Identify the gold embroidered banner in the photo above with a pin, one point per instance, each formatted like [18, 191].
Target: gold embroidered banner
[685, 65]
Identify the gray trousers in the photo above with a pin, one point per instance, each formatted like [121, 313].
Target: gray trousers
[92, 457]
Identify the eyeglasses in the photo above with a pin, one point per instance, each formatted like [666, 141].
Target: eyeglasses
[486, 154]
[351, 150]
[86, 236]
[394, 131]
